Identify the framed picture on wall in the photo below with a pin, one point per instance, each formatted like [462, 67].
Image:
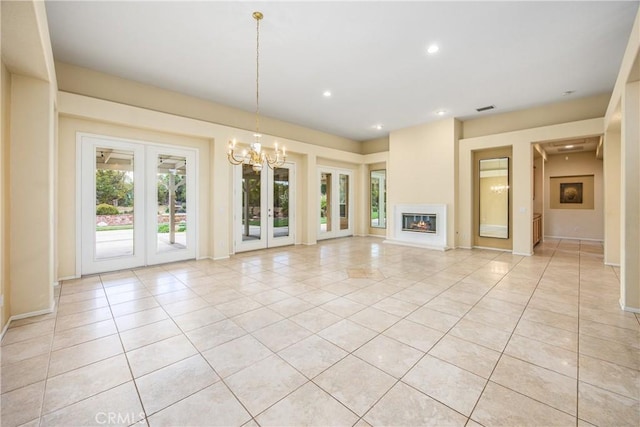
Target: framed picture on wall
[571, 192]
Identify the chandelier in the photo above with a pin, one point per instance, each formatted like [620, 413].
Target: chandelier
[499, 189]
[255, 156]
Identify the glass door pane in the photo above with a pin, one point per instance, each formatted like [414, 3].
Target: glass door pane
[112, 205]
[344, 202]
[280, 220]
[171, 203]
[326, 204]
[251, 204]
[378, 198]
[171, 210]
[114, 201]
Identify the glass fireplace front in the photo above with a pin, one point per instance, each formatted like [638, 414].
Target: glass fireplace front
[420, 223]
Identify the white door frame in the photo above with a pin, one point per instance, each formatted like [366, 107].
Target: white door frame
[267, 238]
[335, 203]
[144, 191]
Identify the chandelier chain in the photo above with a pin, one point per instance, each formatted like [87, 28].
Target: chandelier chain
[257, 75]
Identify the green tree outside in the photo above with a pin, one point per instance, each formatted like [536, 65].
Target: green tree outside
[114, 187]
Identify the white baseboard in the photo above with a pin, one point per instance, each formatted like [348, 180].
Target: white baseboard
[610, 264]
[26, 315]
[523, 253]
[574, 238]
[629, 309]
[220, 258]
[415, 245]
[62, 279]
[32, 314]
[4, 330]
[492, 249]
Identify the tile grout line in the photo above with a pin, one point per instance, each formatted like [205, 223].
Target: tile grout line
[124, 353]
[510, 337]
[399, 380]
[581, 272]
[46, 377]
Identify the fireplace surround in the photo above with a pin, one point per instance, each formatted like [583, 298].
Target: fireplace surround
[420, 225]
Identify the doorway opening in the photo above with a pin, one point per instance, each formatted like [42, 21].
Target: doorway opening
[136, 204]
[264, 207]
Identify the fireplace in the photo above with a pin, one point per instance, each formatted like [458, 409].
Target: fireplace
[419, 222]
[420, 225]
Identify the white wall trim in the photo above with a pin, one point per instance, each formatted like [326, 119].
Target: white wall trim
[523, 253]
[575, 238]
[32, 314]
[62, 279]
[415, 245]
[611, 264]
[629, 309]
[25, 315]
[492, 249]
[4, 330]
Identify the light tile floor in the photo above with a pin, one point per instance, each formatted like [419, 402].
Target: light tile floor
[347, 332]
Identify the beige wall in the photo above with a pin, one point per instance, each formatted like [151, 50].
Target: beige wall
[28, 161]
[586, 224]
[378, 145]
[78, 80]
[81, 113]
[422, 170]
[522, 179]
[611, 172]
[5, 102]
[630, 197]
[69, 127]
[31, 195]
[30, 266]
[545, 115]
[623, 116]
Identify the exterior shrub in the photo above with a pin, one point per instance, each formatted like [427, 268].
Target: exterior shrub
[105, 209]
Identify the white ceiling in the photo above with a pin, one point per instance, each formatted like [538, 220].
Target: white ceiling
[371, 55]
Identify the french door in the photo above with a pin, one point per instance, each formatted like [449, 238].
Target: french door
[264, 211]
[336, 203]
[137, 204]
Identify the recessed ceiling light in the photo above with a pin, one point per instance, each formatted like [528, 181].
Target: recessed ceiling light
[433, 49]
[326, 93]
[441, 112]
[378, 127]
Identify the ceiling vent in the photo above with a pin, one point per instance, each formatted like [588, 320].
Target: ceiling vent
[487, 108]
[565, 149]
